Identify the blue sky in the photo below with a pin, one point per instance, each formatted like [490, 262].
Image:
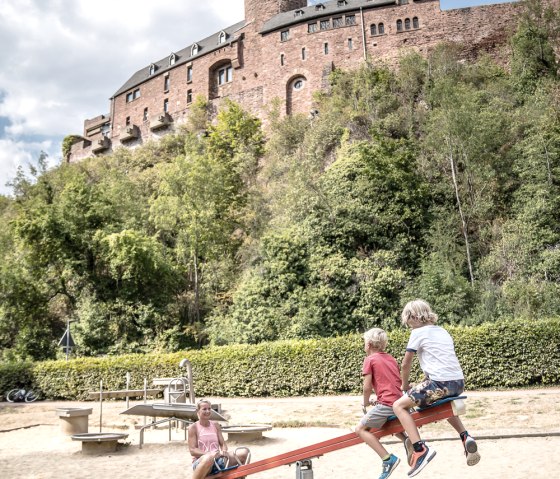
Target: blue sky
[61, 60]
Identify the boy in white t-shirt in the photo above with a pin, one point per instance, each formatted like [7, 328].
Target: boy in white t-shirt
[444, 378]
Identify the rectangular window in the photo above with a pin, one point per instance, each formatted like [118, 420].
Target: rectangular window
[350, 20]
[166, 83]
[225, 75]
[284, 35]
[132, 95]
[189, 96]
[127, 120]
[325, 24]
[281, 59]
[303, 53]
[189, 74]
[311, 27]
[145, 117]
[349, 44]
[326, 48]
[337, 22]
[166, 105]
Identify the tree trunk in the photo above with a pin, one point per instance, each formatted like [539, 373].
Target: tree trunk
[463, 221]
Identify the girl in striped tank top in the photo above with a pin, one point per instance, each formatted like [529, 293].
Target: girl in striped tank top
[206, 444]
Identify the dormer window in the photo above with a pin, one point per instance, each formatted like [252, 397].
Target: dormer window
[299, 13]
[172, 59]
[152, 69]
[222, 37]
[341, 3]
[319, 6]
[194, 50]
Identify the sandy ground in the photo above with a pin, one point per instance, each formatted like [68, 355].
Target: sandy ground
[32, 445]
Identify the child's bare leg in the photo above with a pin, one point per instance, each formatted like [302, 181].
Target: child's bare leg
[401, 408]
[371, 441]
[457, 424]
[204, 466]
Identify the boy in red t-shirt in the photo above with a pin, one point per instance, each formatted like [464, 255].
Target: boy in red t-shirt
[382, 376]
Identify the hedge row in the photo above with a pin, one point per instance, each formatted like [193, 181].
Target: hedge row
[503, 355]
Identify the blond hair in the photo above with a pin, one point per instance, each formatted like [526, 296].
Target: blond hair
[377, 338]
[419, 310]
[199, 403]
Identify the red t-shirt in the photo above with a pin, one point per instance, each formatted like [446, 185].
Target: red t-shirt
[385, 376]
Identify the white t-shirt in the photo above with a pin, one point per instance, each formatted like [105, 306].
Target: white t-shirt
[436, 353]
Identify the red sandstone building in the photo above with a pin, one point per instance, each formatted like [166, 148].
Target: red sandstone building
[282, 49]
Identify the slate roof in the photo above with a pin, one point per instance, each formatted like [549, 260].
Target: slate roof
[313, 12]
[205, 46]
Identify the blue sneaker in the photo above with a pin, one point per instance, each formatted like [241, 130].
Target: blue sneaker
[389, 466]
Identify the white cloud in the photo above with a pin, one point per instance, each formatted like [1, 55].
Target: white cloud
[14, 154]
[61, 60]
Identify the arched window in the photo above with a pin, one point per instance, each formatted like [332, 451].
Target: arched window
[298, 84]
[407, 23]
[194, 50]
[152, 69]
[172, 59]
[381, 29]
[222, 37]
[373, 29]
[399, 25]
[415, 23]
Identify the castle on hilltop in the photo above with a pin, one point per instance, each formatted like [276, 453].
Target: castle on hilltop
[282, 49]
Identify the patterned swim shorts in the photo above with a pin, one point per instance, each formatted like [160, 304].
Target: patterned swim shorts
[428, 391]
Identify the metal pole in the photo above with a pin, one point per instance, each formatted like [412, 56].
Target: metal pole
[100, 404]
[67, 337]
[127, 387]
[191, 382]
[145, 395]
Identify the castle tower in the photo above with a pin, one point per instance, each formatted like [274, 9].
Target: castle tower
[259, 11]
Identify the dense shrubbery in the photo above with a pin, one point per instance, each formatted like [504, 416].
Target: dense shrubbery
[504, 355]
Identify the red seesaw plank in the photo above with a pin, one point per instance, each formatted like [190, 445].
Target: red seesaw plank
[432, 414]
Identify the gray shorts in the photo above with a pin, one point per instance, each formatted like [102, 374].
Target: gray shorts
[377, 416]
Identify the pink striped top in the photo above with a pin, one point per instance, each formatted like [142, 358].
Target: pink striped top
[207, 438]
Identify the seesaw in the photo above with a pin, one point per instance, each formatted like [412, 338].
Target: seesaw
[443, 409]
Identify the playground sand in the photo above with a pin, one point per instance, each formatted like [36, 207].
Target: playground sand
[32, 445]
